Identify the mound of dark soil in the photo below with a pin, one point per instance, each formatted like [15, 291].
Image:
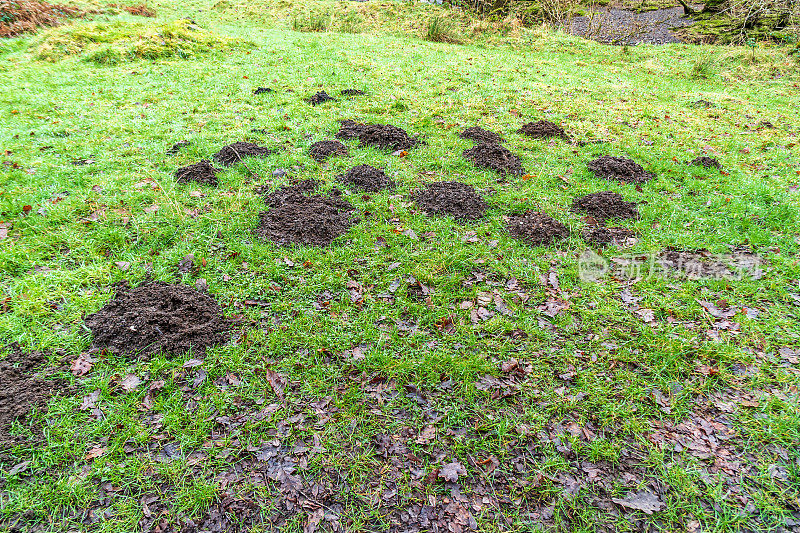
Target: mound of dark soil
[386, 136]
[619, 168]
[158, 316]
[352, 92]
[202, 172]
[706, 162]
[233, 153]
[22, 390]
[350, 129]
[289, 193]
[263, 90]
[315, 220]
[480, 135]
[454, 198]
[536, 228]
[494, 157]
[322, 150]
[542, 129]
[602, 236]
[605, 205]
[320, 98]
[367, 178]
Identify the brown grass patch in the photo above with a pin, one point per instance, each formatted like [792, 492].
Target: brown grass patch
[21, 16]
[140, 10]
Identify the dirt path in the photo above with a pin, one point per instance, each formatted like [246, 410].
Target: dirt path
[621, 26]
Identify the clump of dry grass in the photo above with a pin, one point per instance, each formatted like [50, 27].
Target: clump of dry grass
[140, 10]
[22, 16]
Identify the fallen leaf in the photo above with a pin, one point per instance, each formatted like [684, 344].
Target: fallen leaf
[90, 400]
[152, 208]
[4, 227]
[82, 365]
[276, 380]
[122, 265]
[643, 501]
[20, 467]
[95, 452]
[130, 382]
[451, 471]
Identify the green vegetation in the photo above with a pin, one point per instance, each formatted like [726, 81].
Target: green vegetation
[113, 43]
[581, 396]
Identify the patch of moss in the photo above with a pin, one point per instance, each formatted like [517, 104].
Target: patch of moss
[114, 43]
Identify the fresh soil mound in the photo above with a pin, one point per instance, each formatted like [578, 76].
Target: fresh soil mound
[602, 236]
[21, 16]
[367, 178]
[233, 153]
[350, 129]
[480, 135]
[386, 136]
[322, 150]
[289, 193]
[706, 162]
[536, 228]
[494, 157]
[202, 172]
[619, 168]
[542, 129]
[21, 390]
[352, 92]
[158, 316]
[262, 90]
[454, 198]
[314, 220]
[320, 98]
[605, 205]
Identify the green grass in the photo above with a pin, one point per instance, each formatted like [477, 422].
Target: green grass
[596, 366]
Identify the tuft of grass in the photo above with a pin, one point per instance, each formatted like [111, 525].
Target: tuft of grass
[701, 68]
[440, 29]
[112, 43]
[312, 22]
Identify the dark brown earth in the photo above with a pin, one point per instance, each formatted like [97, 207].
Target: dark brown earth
[350, 129]
[386, 136]
[367, 178]
[320, 98]
[542, 129]
[619, 168]
[158, 316]
[288, 193]
[322, 150]
[23, 389]
[352, 92]
[202, 172]
[480, 135]
[536, 228]
[602, 236]
[454, 198]
[233, 153]
[705, 161]
[314, 220]
[494, 157]
[262, 90]
[605, 205]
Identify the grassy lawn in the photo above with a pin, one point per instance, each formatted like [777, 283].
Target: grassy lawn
[342, 402]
